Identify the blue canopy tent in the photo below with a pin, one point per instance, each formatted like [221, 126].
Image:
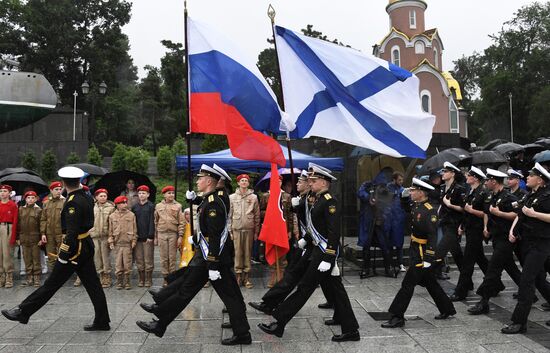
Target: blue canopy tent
[234, 165]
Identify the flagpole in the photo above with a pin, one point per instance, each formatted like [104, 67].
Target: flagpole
[271, 14]
[188, 118]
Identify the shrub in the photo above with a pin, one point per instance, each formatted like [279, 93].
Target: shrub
[29, 160]
[49, 165]
[73, 158]
[165, 161]
[136, 160]
[94, 157]
[214, 143]
[179, 147]
[119, 158]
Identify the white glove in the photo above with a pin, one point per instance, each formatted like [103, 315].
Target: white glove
[295, 201]
[406, 193]
[302, 243]
[335, 270]
[190, 195]
[324, 266]
[190, 240]
[426, 264]
[64, 262]
[214, 275]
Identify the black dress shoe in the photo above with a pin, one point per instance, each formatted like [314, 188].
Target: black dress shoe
[513, 329]
[394, 322]
[444, 316]
[479, 308]
[326, 305]
[97, 327]
[15, 314]
[226, 325]
[457, 298]
[272, 329]
[235, 340]
[152, 327]
[261, 306]
[332, 322]
[150, 308]
[348, 336]
[443, 276]
[545, 306]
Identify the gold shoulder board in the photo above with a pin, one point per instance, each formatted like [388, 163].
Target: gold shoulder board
[328, 197]
[71, 198]
[428, 206]
[220, 193]
[211, 198]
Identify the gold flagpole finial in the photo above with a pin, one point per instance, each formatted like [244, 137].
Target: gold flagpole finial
[271, 13]
[185, 5]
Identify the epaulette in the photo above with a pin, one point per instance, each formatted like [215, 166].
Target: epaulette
[211, 198]
[70, 198]
[327, 196]
[428, 206]
[220, 193]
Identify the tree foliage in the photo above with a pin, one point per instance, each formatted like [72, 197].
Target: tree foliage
[136, 160]
[517, 62]
[73, 158]
[179, 147]
[29, 160]
[165, 161]
[49, 165]
[94, 157]
[119, 158]
[214, 143]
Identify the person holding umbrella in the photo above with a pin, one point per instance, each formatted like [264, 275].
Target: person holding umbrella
[8, 234]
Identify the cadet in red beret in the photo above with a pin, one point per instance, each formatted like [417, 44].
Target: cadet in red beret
[122, 239]
[143, 188]
[241, 176]
[50, 223]
[121, 199]
[56, 184]
[99, 191]
[168, 188]
[8, 233]
[29, 237]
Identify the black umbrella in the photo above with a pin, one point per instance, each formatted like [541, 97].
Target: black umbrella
[542, 157]
[487, 157]
[21, 181]
[91, 169]
[115, 183]
[9, 171]
[545, 142]
[456, 156]
[508, 148]
[492, 144]
[533, 148]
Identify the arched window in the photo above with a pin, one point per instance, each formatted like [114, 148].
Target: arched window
[396, 55]
[419, 47]
[412, 19]
[436, 58]
[453, 116]
[426, 98]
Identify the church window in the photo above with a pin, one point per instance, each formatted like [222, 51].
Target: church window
[426, 97]
[395, 56]
[419, 47]
[453, 116]
[412, 19]
[436, 58]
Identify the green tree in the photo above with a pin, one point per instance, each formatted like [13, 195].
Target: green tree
[152, 106]
[49, 165]
[214, 143]
[119, 158]
[136, 160]
[29, 160]
[517, 62]
[172, 70]
[165, 161]
[179, 147]
[73, 158]
[94, 157]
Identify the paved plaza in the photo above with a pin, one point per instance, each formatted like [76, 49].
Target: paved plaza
[58, 326]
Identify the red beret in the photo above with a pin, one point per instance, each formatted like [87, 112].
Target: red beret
[5, 187]
[168, 188]
[243, 176]
[55, 184]
[143, 188]
[120, 199]
[85, 188]
[29, 193]
[99, 191]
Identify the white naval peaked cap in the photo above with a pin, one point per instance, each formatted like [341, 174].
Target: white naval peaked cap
[514, 173]
[70, 173]
[495, 174]
[539, 170]
[478, 173]
[316, 171]
[209, 171]
[450, 166]
[303, 175]
[419, 184]
[224, 174]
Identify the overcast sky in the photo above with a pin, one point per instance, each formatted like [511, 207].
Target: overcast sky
[464, 26]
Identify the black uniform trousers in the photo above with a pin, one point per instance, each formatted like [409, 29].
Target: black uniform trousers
[473, 253]
[85, 269]
[426, 278]
[310, 280]
[190, 283]
[502, 259]
[535, 253]
[292, 276]
[450, 242]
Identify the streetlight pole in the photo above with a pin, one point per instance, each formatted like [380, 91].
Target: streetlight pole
[511, 119]
[75, 94]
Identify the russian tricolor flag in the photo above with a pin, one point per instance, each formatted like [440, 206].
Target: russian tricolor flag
[229, 96]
